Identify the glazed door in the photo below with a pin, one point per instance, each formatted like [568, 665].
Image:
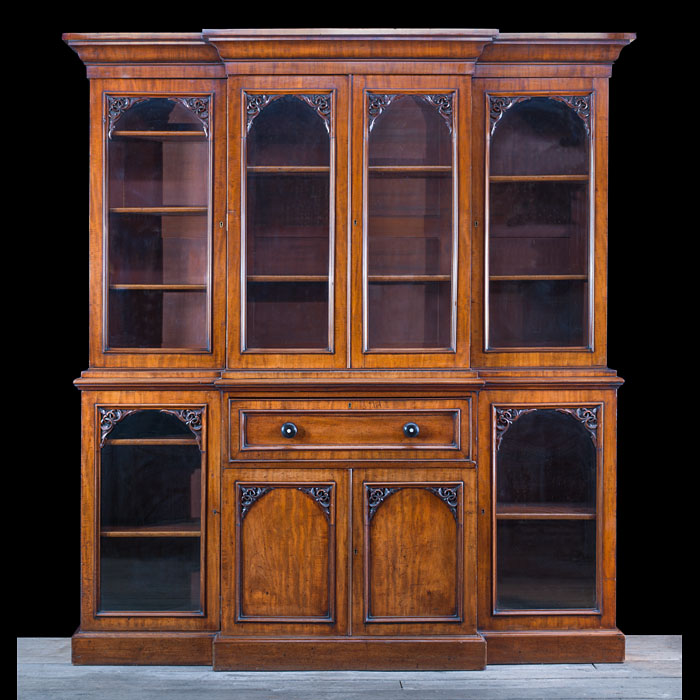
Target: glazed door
[414, 551]
[409, 217]
[550, 506]
[150, 512]
[540, 272]
[284, 553]
[158, 236]
[287, 222]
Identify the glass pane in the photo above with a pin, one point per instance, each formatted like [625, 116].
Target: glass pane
[409, 235]
[150, 514]
[158, 226]
[546, 456]
[538, 313]
[546, 564]
[288, 222]
[546, 473]
[149, 574]
[539, 226]
[540, 136]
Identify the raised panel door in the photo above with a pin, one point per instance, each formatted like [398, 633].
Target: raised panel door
[414, 551]
[284, 553]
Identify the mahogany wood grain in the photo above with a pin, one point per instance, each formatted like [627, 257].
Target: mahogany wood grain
[350, 428]
[420, 579]
[564, 647]
[285, 556]
[466, 652]
[142, 648]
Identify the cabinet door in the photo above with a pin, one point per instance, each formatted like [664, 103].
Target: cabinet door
[159, 155]
[544, 227]
[151, 559]
[288, 212]
[551, 509]
[414, 551]
[284, 556]
[410, 208]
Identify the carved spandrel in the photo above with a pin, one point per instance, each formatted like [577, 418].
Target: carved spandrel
[500, 104]
[191, 417]
[248, 495]
[322, 495]
[377, 495]
[109, 417]
[586, 415]
[200, 107]
[320, 103]
[118, 104]
[375, 498]
[449, 495]
[377, 104]
[443, 104]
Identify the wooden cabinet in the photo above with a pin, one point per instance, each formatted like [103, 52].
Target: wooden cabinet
[347, 403]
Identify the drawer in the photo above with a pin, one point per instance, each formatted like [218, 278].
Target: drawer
[315, 428]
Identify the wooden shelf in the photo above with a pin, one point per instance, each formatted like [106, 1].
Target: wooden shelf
[538, 178]
[534, 278]
[165, 442]
[159, 210]
[177, 530]
[161, 135]
[161, 287]
[409, 278]
[410, 169]
[288, 169]
[544, 511]
[287, 278]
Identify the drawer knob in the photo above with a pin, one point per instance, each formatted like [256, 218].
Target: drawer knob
[411, 430]
[289, 430]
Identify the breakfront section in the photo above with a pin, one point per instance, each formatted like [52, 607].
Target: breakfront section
[547, 524]
[347, 404]
[149, 525]
[540, 261]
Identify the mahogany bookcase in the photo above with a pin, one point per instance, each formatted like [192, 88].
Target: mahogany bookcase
[347, 403]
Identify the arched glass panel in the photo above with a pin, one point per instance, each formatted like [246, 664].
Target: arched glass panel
[545, 489]
[288, 223]
[158, 155]
[539, 291]
[409, 235]
[150, 512]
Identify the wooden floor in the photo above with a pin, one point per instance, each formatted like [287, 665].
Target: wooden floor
[653, 669]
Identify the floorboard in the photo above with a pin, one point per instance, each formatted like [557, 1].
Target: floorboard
[653, 669]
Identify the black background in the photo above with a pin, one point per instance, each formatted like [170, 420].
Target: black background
[46, 118]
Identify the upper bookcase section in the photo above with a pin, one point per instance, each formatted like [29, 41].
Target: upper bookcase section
[216, 52]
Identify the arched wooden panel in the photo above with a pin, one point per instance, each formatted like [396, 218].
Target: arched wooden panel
[286, 544]
[413, 559]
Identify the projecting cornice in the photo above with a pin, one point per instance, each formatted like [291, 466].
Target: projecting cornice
[213, 50]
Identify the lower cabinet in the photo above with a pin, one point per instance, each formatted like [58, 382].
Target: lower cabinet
[309, 557]
[343, 559]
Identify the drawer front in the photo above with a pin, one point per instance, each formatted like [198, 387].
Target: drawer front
[419, 429]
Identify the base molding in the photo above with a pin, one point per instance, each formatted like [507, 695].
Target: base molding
[238, 653]
[142, 648]
[350, 654]
[555, 647]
